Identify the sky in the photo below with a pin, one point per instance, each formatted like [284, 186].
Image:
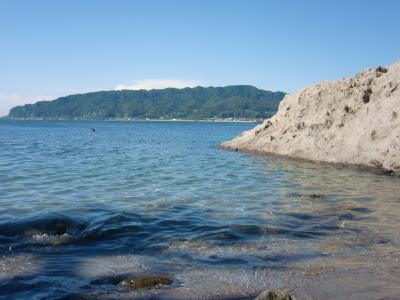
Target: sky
[56, 48]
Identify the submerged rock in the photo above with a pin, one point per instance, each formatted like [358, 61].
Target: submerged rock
[274, 295]
[315, 196]
[351, 121]
[145, 281]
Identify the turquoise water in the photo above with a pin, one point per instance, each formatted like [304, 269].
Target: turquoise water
[79, 207]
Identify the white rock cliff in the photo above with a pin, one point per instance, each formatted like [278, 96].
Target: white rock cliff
[353, 121]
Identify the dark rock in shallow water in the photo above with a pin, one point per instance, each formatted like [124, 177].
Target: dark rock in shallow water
[111, 279]
[145, 281]
[274, 295]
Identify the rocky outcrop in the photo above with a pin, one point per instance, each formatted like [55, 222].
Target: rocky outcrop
[350, 121]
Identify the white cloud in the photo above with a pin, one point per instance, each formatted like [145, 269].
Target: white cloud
[9, 101]
[149, 84]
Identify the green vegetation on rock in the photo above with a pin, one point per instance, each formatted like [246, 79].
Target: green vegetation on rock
[241, 101]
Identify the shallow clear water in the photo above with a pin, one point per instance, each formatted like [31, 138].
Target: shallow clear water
[77, 208]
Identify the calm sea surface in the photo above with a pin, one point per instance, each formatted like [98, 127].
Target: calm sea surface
[80, 209]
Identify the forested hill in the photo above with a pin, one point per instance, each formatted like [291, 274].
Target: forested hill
[240, 101]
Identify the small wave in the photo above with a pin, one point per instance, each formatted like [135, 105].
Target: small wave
[53, 223]
[52, 228]
[44, 238]
[56, 228]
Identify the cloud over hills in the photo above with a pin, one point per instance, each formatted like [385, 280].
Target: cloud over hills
[9, 101]
[149, 84]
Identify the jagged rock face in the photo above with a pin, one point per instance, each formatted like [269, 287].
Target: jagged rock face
[350, 121]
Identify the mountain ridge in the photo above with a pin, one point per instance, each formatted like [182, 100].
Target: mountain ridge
[235, 101]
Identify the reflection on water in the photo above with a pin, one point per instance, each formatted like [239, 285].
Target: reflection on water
[153, 197]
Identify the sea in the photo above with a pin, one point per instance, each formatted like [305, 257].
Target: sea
[82, 209]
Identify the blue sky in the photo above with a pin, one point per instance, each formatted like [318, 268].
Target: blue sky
[54, 48]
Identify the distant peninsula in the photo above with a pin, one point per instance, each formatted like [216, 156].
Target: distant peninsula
[239, 102]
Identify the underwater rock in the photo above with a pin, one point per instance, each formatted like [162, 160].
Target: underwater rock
[145, 281]
[274, 295]
[315, 196]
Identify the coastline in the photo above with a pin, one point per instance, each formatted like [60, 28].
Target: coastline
[216, 120]
[338, 165]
